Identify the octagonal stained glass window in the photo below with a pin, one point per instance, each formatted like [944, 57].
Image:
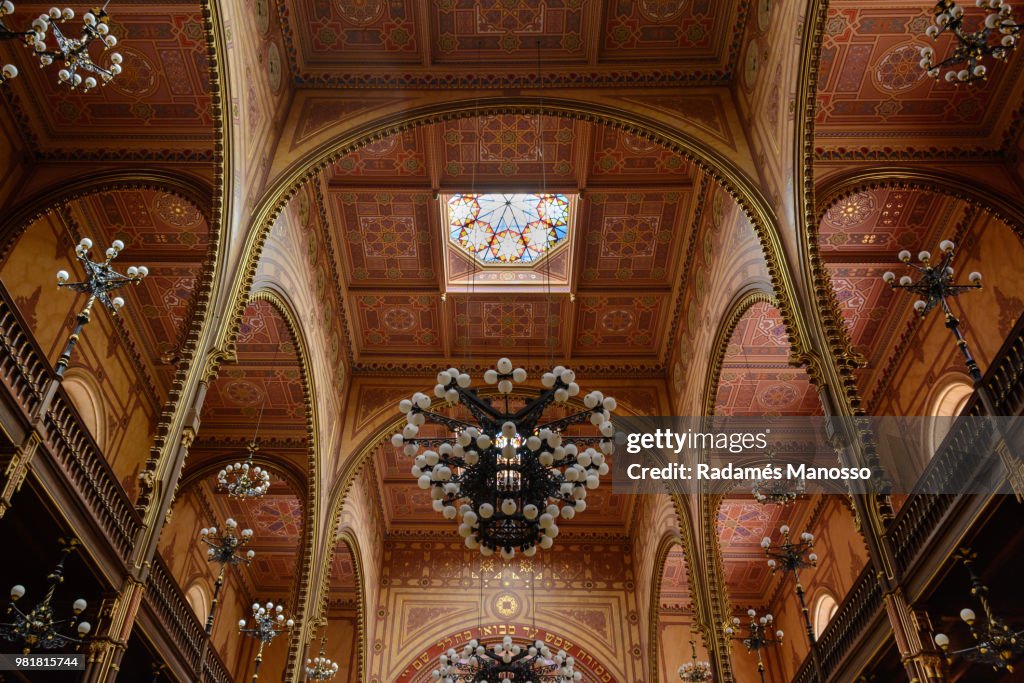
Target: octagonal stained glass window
[508, 229]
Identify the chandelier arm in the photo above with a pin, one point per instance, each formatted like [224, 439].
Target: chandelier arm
[480, 409]
[578, 418]
[450, 422]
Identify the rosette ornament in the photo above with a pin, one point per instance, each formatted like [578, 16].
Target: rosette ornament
[508, 473]
[506, 661]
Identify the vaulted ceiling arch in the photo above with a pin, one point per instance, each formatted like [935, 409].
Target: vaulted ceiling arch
[738, 183]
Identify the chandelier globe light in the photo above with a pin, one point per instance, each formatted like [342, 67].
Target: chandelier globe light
[73, 55]
[245, 479]
[994, 36]
[506, 473]
[506, 661]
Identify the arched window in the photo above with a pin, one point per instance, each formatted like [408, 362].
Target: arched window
[825, 608]
[946, 405]
[198, 601]
[84, 393]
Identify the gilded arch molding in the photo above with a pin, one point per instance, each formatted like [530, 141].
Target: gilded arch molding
[311, 512]
[740, 186]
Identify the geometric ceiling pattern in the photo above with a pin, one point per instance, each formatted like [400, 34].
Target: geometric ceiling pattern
[756, 378]
[409, 297]
[870, 80]
[162, 97]
[262, 393]
[404, 43]
[675, 585]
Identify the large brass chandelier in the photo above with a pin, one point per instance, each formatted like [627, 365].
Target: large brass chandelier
[509, 474]
[72, 55]
[994, 36]
[506, 661]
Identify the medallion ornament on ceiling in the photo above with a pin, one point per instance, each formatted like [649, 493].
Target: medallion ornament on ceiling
[78, 70]
[994, 35]
[508, 473]
[506, 660]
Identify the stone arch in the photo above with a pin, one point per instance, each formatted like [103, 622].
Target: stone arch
[742, 188]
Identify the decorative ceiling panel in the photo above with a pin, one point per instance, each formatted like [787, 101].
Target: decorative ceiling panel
[265, 385]
[487, 322]
[398, 323]
[884, 221]
[516, 31]
[675, 580]
[387, 237]
[632, 237]
[512, 43]
[357, 32]
[398, 158]
[507, 148]
[624, 157]
[871, 80]
[620, 323]
[343, 573]
[664, 28]
[864, 300]
[159, 107]
[756, 378]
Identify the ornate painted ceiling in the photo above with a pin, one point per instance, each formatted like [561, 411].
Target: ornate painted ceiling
[453, 43]
[874, 98]
[756, 378]
[410, 294]
[159, 109]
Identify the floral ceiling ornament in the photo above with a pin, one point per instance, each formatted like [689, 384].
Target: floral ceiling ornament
[506, 661]
[994, 36]
[505, 471]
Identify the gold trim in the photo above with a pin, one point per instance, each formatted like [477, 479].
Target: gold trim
[310, 526]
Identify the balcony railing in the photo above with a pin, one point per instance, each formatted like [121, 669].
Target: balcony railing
[175, 615]
[26, 372]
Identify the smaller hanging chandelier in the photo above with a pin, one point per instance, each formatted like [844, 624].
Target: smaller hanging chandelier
[782, 491]
[269, 623]
[225, 550]
[506, 661]
[100, 280]
[759, 635]
[320, 668]
[245, 479]
[694, 671]
[996, 644]
[39, 627]
[71, 54]
[508, 473]
[995, 36]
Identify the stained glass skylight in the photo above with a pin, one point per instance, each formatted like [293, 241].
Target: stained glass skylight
[508, 229]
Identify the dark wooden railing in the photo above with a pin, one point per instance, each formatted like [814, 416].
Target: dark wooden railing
[861, 606]
[27, 373]
[174, 614]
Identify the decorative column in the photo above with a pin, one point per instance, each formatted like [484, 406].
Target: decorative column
[106, 650]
